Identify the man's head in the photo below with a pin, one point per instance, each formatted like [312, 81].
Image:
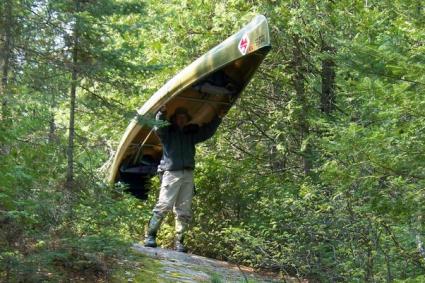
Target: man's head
[181, 117]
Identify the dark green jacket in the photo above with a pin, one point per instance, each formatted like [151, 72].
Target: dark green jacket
[179, 145]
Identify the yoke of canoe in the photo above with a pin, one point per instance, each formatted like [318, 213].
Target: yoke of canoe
[210, 84]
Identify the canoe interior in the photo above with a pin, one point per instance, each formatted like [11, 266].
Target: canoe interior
[144, 153]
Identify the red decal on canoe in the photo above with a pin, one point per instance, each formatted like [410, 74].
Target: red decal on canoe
[244, 44]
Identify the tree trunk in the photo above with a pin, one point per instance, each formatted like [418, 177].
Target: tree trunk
[418, 236]
[73, 94]
[6, 54]
[327, 98]
[369, 265]
[52, 124]
[298, 82]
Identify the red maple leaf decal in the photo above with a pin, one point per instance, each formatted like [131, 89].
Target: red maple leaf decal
[243, 43]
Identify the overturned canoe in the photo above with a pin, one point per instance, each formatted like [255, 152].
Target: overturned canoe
[207, 86]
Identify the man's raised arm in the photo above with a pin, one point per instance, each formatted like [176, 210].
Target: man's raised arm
[207, 131]
[161, 115]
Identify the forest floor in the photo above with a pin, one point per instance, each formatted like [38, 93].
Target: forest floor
[162, 265]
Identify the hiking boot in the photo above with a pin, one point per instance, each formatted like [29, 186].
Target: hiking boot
[153, 226]
[150, 241]
[180, 247]
[181, 227]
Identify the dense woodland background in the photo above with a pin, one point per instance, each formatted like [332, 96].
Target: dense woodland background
[317, 172]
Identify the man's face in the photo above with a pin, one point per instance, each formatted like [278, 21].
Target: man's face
[181, 120]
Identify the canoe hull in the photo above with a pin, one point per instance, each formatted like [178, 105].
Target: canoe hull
[209, 85]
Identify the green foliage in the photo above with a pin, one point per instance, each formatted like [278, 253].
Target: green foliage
[331, 194]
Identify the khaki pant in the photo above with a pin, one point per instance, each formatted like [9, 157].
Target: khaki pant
[176, 193]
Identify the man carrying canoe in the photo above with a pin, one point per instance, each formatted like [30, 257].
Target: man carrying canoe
[176, 166]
